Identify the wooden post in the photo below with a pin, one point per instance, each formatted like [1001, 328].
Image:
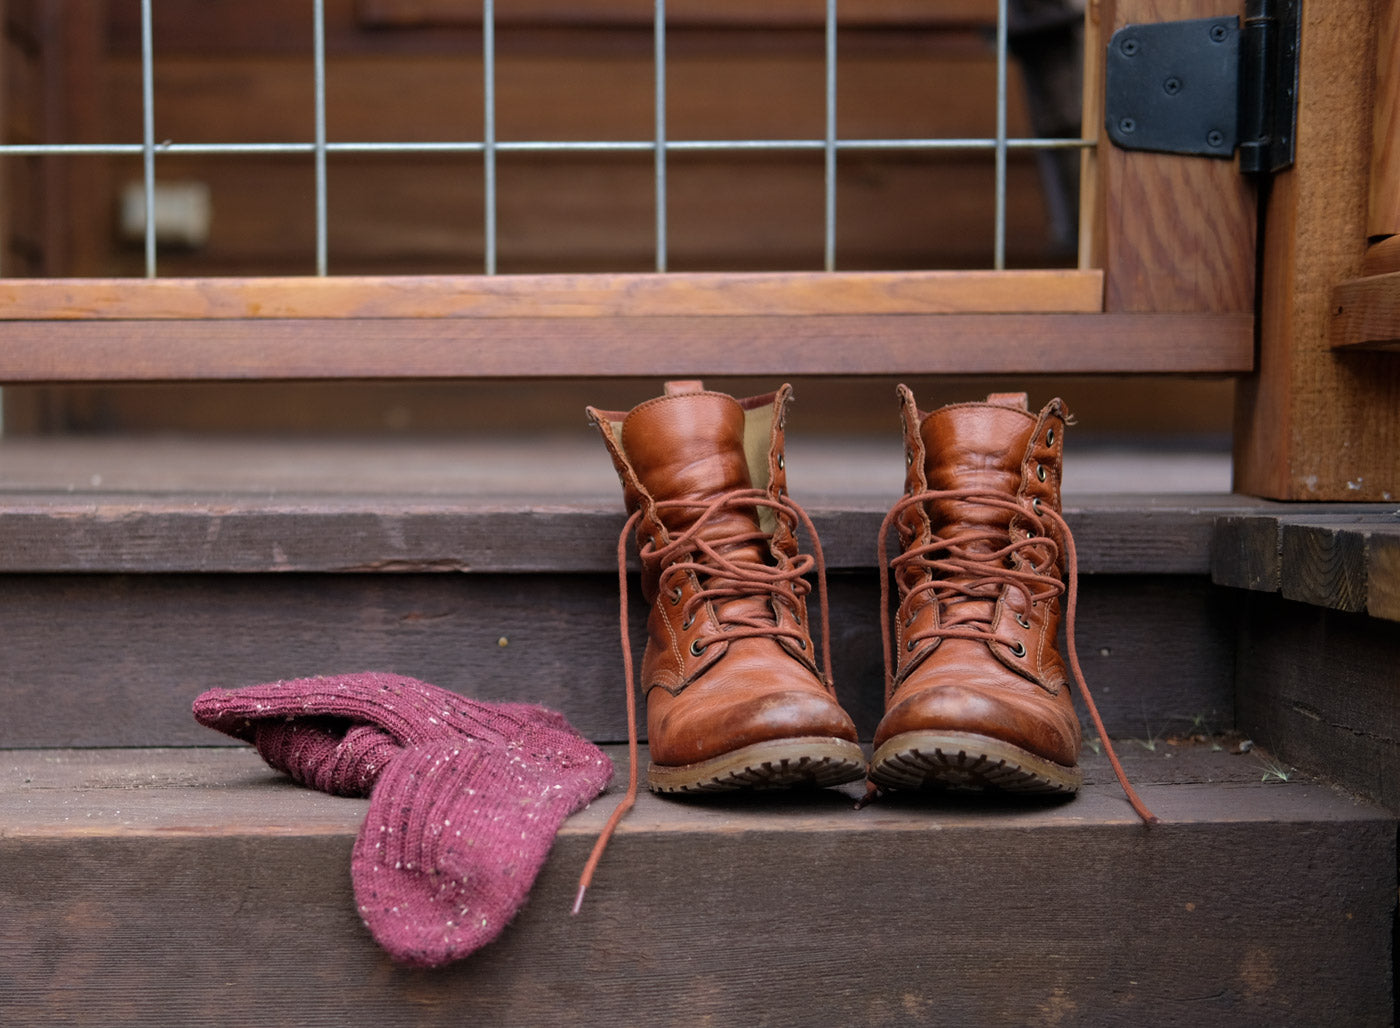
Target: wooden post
[1314, 423]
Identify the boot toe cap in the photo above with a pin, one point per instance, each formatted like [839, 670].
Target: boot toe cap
[701, 727]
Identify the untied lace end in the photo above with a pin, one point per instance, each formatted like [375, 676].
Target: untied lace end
[628, 800]
[1072, 561]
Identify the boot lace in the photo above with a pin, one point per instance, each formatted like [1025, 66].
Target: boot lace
[723, 578]
[997, 563]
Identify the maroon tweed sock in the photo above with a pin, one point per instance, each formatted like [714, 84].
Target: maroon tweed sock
[465, 797]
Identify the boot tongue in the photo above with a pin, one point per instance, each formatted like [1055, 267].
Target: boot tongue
[690, 446]
[975, 446]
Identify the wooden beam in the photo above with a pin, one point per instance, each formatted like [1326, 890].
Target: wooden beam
[1366, 313]
[628, 346]
[1315, 423]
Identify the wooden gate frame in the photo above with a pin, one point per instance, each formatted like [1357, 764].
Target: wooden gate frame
[1167, 286]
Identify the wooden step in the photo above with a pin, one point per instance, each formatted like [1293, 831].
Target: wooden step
[135, 573]
[197, 887]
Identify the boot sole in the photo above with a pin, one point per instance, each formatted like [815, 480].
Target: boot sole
[780, 764]
[961, 760]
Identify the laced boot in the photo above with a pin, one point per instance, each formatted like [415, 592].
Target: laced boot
[735, 696]
[977, 693]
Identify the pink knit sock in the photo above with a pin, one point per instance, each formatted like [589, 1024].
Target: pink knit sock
[465, 797]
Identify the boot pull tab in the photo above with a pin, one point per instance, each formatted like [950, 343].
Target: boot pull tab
[683, 387]
[1016, 401]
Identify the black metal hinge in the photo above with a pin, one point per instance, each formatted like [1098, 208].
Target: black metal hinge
[1208, 86]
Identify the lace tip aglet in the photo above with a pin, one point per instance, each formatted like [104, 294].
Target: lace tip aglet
[578, 900]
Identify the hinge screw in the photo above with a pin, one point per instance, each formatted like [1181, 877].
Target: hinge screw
[1215, 138]
[1172, 86]
[1218, 33]
[1129, 47]
[1126, 125]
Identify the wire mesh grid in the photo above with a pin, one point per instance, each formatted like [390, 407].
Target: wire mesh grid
[489, 147]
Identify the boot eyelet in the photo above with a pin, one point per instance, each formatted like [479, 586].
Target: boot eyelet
[1019, 650]
[675, 595]
[908, 460]
[1021, 620]
[909, 646]
[782, 462]
[909, 621]
[697, 648]
[1040, 472]
[1035, 504]
[802, 645]
[1049, 437]
[685, 624]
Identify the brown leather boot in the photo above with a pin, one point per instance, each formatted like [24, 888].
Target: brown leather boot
[735, 696]
[978, 696]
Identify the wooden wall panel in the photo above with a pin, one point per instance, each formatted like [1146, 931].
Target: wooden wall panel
[1172, 233]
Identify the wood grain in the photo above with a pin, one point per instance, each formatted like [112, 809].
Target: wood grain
[168, 908]
[1366, 313]
[1172, 233]
[1315, 424]
[785, 345]
[1384, 207]
[1323, 565]
[1342, 557]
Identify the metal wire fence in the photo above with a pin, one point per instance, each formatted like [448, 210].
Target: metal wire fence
[489, 147]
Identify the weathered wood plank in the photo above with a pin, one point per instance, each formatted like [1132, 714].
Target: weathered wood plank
[1244, 552]
[557, 296]
[167, 904]
[101, 660]
[354, 532]
[1341, 556]
[396, 348]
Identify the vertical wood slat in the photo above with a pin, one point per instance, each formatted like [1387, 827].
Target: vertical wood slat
[1313, 424]
[1384, 217]
[1171, 233]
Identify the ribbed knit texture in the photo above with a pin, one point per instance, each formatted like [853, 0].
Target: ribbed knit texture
[465, 797]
